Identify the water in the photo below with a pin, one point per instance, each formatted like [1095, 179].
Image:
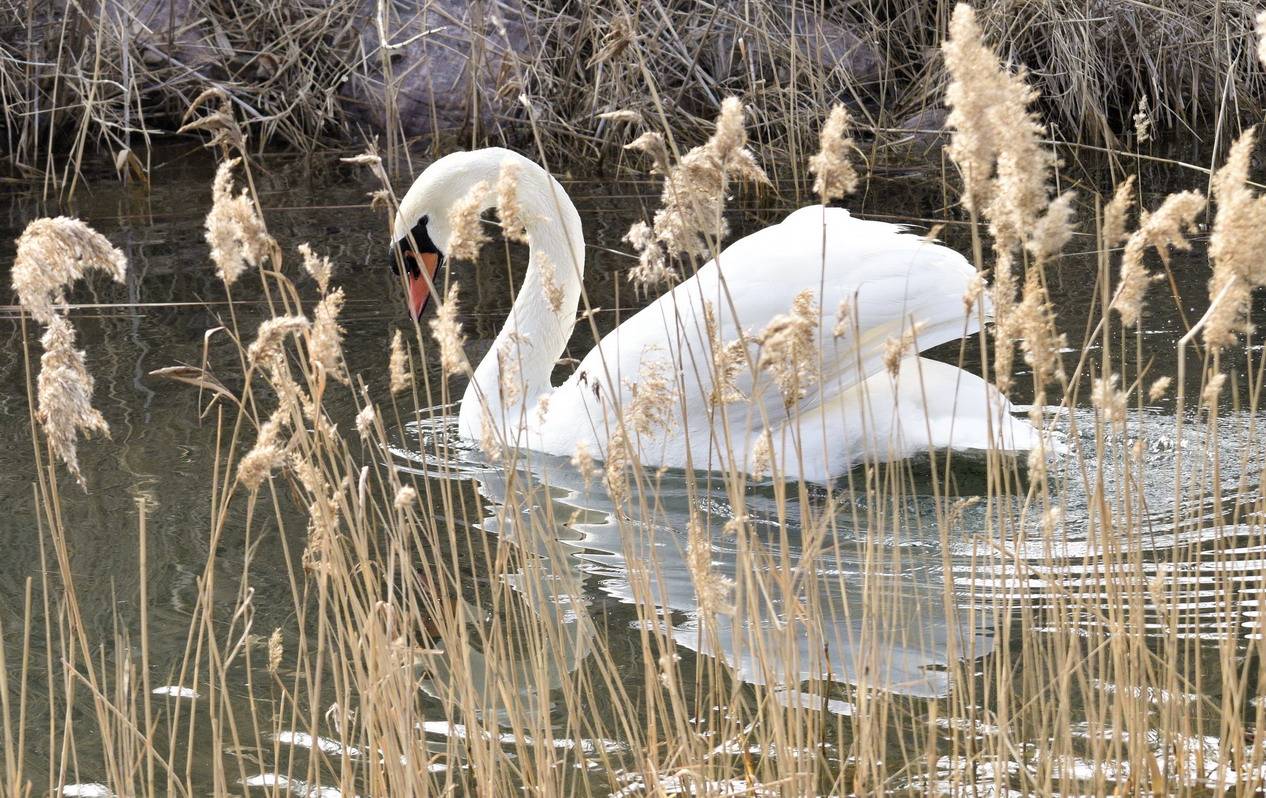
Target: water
[161, 450]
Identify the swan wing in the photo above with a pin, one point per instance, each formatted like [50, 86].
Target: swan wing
[886, 279]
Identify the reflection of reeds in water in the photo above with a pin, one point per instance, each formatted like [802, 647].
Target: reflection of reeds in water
[425, 656]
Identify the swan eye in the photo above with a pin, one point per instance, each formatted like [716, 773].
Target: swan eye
[409, 249]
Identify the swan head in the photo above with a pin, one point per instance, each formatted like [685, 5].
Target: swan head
[421, 231]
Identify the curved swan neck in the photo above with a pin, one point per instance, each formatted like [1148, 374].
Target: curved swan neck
[544, 312]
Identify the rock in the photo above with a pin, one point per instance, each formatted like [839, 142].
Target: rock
[172, 33]
[835, 47]
[825, 47]
[924, 133]
[450, 64]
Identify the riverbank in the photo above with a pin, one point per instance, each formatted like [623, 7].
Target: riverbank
[578, 80]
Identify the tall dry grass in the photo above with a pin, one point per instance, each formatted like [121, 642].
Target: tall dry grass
[78, 80]
[426, 656]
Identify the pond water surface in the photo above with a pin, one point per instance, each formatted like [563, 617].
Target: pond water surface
[160, 448]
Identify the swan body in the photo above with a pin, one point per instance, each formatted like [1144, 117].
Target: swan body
[849, 408]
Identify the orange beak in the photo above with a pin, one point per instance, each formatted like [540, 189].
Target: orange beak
[418, 286]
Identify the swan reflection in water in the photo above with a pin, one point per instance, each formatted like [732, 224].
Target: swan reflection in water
[844, 605]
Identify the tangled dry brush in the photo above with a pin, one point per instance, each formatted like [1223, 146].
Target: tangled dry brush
[113, 77]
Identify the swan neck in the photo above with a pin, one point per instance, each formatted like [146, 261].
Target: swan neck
[516, 371]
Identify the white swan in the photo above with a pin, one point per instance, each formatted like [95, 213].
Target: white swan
[852, 408]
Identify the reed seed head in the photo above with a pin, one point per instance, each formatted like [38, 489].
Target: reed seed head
[728, 361]
[275, 650]
[1040, 339]
[615, 468]
[835, 175]
[64, 395]
[1108, 399]
[652, 267]
[971, 297]
[406, 497]
[653, 397]
[690, 216]
[1116, 212]
[509, 373]
[513, 225]
[52, 254]
[398, 364]
[490, 437]
[1163, 230]
[1235, 246]
[237, 235]
[762, 455]
[1212, 390]
[652, 144]
[1037, 461]
[1260, 29]
[365, 421]
[996, 141]
[1053, 230]
[896, 349]
[317, 266]
[789, 348]
[582, 460]
[268, 454]
[326, 344]
[550, 288]
[447, 331]
[844, 318]
[1143, 122]
[542, 408]
[1159, 388]
[712, 589]
[267, 346]
[467, 236]
[1005, 330]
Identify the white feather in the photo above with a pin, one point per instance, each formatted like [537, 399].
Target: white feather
[854, 410]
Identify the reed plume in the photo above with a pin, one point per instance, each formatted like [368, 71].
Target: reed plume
[267, 349]
[234, 230]
[513, 225]
[789, 348]
[689, 218]
[996, 140]
[52, 254]
[1260, 30]
[653, 397]
[405, 498]
[64, 391]
[712, 590]
[365, 421]
[728, 361]
[1143, 122]
[550, 288]
[897, 347]
[325, 346]
[1163, 230]
[467, 236]
[582, 460]
[1235, 246]
[317, 266]
[1053, 230]
[267, 455]
[447, 331]
[1116, 211]
[1108, 399]
[275, 651]
[835, 175]
[398, 364]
